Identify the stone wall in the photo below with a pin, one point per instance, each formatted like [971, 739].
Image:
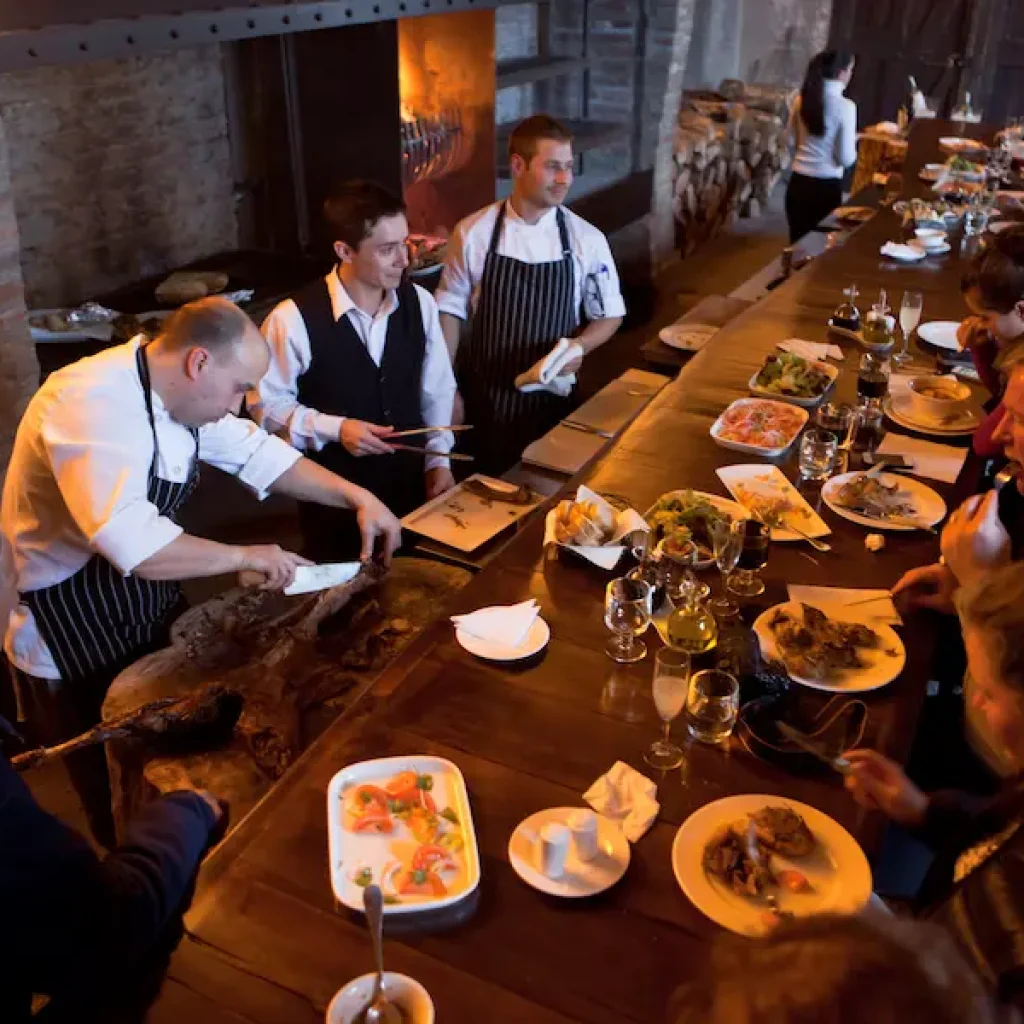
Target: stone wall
[120, 169]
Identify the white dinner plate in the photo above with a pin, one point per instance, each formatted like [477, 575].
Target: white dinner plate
[958, 144]
[581, 878]
[903, 252]
[940, 333]
[881, 666]
[687, 337]
[837, 870]
[900, 409]
[490, 650]
[933, 250]
[929, 507]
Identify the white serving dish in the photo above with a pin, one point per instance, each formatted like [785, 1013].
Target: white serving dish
[770, 482]
[753, 449]
[349, 852]
[928, 408]
[806, 403]
[405, 992]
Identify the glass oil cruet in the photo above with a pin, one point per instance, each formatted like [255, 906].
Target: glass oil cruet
[847, 315]
[877, 331]
[692, 626]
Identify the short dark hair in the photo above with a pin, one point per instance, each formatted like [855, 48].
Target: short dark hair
[525, 136]
[997, 272]
[353, 209]
[213, 323]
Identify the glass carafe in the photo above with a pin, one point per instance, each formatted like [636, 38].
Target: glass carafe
[692, 627]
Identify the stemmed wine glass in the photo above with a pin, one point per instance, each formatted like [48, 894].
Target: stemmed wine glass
[627, 613]
[671, 686]
[910, 317]
[753, 557]
[727, 542]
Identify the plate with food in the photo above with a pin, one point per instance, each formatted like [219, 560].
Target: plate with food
[426, 254]
[768, 495]
[748, 861]
[794, 379]
[853, 214]
[472, 513]
[687, 337]
[759, 426]
[956, 144]
[66, 325]
[965, 169]
[828, 652]
[884, 501]
[691, 514]
[932, 172]
[900, 408]
[404, 824]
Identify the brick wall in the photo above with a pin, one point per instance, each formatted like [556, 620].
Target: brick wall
[119, 168]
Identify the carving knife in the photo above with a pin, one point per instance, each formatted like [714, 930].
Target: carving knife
[310, 578]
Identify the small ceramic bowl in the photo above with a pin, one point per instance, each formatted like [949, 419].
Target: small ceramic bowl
[931, 238]
[408, 995]
[925, 397]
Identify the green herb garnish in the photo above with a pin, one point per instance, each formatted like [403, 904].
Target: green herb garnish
[364, 878]
[424, 782]
[449, 815]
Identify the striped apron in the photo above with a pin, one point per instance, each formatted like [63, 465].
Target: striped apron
[98, 621]
[522, 312]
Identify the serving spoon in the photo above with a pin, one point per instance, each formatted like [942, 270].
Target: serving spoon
[378, 1010]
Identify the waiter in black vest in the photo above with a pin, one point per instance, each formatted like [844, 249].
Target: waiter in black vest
[356, 356]
[529, 276]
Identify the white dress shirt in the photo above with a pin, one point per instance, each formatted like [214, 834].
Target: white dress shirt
[459, 290]
[77, 484]
[828, 155]
[275, 403]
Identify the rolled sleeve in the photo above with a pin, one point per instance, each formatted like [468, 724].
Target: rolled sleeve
[601, 264]
[455, 290]
[247, 452]
[134, 534]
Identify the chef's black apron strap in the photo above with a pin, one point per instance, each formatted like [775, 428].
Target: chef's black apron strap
[99, 621]
[522, 311]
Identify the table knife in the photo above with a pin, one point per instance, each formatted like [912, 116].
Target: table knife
[587, 429]
[805, 743]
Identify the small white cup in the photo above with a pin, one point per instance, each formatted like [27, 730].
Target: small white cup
[551, 848]
[583, 826]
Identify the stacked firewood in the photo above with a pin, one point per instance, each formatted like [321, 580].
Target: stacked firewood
[730, 152]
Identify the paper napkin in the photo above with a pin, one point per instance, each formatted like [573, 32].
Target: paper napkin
[811, 349]
[627, 797]
[502, 624]
[940, 462]
[606, 556]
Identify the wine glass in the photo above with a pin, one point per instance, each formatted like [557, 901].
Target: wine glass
[671, 687]
[727, 542]
[753, 557]
[712, 705]
[910, 317]
[627, 613]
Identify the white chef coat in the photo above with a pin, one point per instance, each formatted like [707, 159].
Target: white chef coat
[275, 403]
[459, 290]
[828, 155]
[78, 480]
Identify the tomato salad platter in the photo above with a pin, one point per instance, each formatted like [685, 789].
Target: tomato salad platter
[404, 824]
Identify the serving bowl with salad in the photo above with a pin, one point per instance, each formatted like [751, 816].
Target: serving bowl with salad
[793, 379]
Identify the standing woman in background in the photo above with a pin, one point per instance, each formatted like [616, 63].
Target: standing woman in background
[823, 126]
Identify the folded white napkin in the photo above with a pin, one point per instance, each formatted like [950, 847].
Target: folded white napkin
[940, 462]
[837, 601]
[901, 252]
[627, 797]
[547, 373]
[811, 349]
[606, 556]
[502, 624]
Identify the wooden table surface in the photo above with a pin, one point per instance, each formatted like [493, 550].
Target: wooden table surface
[265, 941]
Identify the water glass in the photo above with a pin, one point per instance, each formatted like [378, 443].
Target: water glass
[627, 613]
[727, 542]
[818, 450]
[712, 705]
[910, 316]
[670, 689]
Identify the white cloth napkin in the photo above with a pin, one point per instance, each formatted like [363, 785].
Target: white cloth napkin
[605, 556]
[547, 373]
[904, 253]
[627, 797]
[837, 601]
[940, 462]
[811, 349]
[501, 624]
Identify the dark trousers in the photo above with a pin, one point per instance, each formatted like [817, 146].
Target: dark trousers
[809, 201]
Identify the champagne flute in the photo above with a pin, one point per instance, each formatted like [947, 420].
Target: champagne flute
[627, 613]
[727, 542]
[670, 687]
[744, 582]
[910, 317]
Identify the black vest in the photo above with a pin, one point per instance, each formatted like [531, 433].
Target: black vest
[342, 380]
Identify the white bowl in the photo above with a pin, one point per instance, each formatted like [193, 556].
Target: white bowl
[931, 238]
[938, 408]
[410, 996]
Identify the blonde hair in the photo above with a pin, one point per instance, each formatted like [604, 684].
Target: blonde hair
[995, 607]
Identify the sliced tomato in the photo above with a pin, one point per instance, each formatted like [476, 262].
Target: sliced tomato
[420, 883]
[431, 856]
[794, 881]
[367, 809]
[401, 784]
[412, 789]
[379, 823]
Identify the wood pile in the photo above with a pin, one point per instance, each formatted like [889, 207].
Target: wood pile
[729, 156]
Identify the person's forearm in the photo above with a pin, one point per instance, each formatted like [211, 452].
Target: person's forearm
[307, 481]
[451, 328]
[597, 332]
[188, 557]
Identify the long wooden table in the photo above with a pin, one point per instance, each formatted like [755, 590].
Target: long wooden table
[265, 941]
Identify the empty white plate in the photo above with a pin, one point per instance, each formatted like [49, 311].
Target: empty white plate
[941, 334]
[536, 640]
[687, 337]
[902, 253]
[580, 878]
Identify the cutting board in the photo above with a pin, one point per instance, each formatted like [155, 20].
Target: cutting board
[618, 402]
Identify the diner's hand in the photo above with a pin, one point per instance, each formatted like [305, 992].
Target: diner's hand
[972, 331]
[975, 541]
[439, 480]
[267, 566]
[879, 784]
[928, 586]
[361, 438]
[381, 531]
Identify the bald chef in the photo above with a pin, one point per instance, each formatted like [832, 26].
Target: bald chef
[104, 458]
[538, 288]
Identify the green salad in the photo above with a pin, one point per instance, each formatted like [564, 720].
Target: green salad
[788, 374]
[685, 510]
